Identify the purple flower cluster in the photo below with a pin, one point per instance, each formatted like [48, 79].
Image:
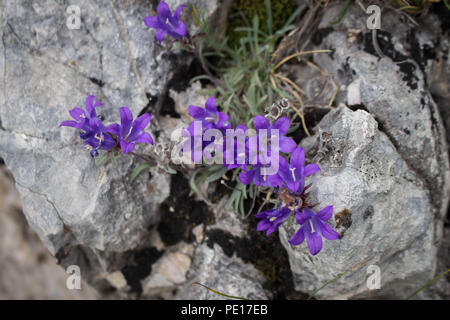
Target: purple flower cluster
[264, 154]
[288, 181]
[98, 137]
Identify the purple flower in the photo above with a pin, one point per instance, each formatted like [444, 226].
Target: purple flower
[166, 23]
[272, 219]
[93, 131]
[96, 137]
[258, 178]
[80, 115]
[293, 174]
[210, 116]
[285, 144]
[129, 132]
[206, 118]
[263, 143]
[313, 228]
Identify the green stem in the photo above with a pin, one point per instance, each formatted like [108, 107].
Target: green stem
[446, 4]
[199, 57]
[428, 283]
[219, 293]
[342, 12]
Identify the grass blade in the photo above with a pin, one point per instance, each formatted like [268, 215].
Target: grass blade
[138, 170]
[427, 284]
[220, 293]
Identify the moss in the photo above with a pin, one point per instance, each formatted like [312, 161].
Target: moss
[281, 11]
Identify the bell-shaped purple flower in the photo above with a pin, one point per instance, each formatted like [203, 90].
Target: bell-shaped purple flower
[293, 174]
[285, 144]
[166, 22]
[313, 228]
[211, 118]
[96, 137]
[80, 116]
[272, 219]
[263, 141]
[129, 132]
[257, 176]
[93, 132]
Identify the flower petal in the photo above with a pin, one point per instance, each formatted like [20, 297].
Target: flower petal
[326, 231]
[325, 213]
[275, 180]
[247, 177]
[77, 113]
[263, 225]
[69, 123]
[108, 142]
[287, 145]
[197, 112]
[282, 124]
[90, 106]
[181, 29]
[126, 146]
[144, 137]
[177, 12]
[160, 34]
[298, 158]
[151, 22]
[223, 121]
[311, 169]
[264, 214]
[126, 119]
[210, 105]
[163, 10]
[114, 129]
[304, 215]
[272, 229]
[260, 122]
[314, 241]
[293, 186]
[298, 237]
[138, 125]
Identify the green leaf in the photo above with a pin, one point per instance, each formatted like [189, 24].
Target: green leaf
[138, 170]
[342, 12]
[293, 129]
[171, 170]
[216, 175]
[296, 13]
[101, 158]
[241, 206]
[233, 197]
[447, 4]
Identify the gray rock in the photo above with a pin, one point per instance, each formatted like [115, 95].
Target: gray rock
[28, 269]
[47, 69]
[169, 272]
[228, 275]
[393, 89]
[382, 209]
[389, 169]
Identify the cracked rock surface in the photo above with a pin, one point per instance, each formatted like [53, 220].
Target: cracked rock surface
[48, 69]
[381, 209]
[383, 157]
[384, 162]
